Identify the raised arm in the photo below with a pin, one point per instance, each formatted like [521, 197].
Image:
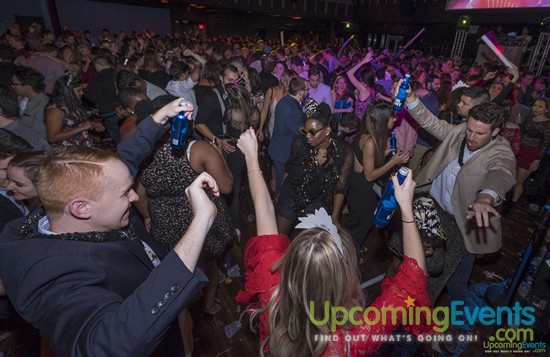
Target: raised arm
[190, 244]
[351, 73]
[433, 125]
[263, 207]
[509, 86]
[412, 245]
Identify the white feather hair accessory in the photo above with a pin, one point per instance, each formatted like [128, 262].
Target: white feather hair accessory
[460, 84]
[321, 219]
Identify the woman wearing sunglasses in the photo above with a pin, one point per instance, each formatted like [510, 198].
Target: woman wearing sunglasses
[317, 173]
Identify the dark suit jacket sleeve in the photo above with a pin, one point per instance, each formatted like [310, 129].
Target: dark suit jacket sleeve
[65, 296]
[140, 143]
[134, 326]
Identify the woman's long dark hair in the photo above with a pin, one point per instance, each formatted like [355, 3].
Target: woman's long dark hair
[255, 83]
[375, 124]
[368, 77]
[63, 93]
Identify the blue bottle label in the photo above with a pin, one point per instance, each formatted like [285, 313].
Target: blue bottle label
[179, 131]
[388, 203]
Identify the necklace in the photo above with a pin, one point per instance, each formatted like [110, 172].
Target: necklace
[461, 153]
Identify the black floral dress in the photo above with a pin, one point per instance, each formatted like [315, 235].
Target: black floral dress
[165, 179]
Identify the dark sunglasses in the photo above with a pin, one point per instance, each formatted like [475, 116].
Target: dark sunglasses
[311, 132]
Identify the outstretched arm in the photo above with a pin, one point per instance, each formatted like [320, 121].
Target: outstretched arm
[412, 246]
[263, 207]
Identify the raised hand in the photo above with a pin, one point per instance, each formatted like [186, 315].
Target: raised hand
[172, 109]
[248, 144]
[368, 57]
[411, 97]
[196, 193]
[404, 192]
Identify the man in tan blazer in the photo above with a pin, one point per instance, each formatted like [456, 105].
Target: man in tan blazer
[468, 175]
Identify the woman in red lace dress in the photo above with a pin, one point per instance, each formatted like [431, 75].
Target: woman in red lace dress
[320, 264]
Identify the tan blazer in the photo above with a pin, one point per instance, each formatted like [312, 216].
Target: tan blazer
[492, 168]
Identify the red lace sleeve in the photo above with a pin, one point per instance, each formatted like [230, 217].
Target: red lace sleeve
[259, 256]
[410, 281]
[513, 135]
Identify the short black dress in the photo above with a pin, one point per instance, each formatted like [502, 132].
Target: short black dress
[165, 180]
[361, 201]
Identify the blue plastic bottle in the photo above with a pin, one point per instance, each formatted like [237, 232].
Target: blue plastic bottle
[401, 94]
[387, 203]
[393, 144]
[179, 131]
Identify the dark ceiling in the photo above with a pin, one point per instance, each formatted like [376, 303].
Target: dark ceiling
[332, 10]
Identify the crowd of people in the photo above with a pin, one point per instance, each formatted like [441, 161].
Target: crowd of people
[105, 224]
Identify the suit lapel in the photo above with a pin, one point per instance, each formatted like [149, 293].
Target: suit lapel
[136, 248]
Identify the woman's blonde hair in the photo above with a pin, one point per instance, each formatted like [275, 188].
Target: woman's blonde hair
[312, 269]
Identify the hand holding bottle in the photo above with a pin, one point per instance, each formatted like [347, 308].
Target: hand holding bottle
[411, 97]
[404, 192]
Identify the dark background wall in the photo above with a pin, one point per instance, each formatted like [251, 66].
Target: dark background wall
[9, 9]
[92, 15]
[259, 17]
[86, 14]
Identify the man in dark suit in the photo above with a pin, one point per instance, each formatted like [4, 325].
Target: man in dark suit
[85, 272]
[289, 117]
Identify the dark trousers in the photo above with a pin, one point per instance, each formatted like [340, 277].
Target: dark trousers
[539, 179]
[457, 286]
[279, 175]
